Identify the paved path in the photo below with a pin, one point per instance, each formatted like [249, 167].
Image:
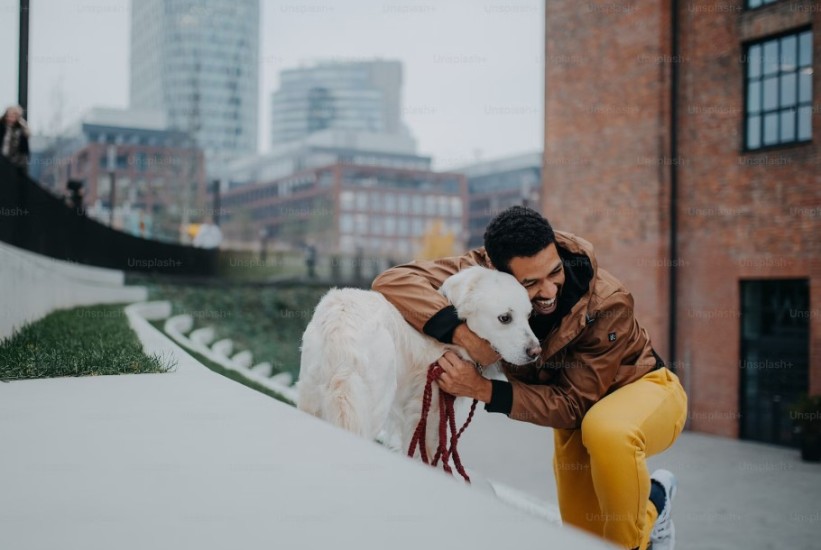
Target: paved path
[193, 460]
[732, 495]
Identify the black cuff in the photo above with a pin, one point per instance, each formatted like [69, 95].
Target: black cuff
[501, 399]
[442, 325]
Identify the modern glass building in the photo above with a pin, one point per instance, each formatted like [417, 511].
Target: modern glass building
[198, 62]
[362, 96]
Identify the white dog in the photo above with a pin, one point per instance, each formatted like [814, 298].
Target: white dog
[364, 368]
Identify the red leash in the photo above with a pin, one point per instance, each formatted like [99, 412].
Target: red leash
[447, 419]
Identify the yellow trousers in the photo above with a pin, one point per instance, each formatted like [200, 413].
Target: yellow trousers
[601, 473]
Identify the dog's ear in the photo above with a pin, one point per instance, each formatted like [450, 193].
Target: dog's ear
[457, 288]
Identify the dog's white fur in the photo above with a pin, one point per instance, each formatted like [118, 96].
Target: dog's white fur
[363, 367]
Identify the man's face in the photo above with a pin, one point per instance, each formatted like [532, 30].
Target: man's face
[543, 277]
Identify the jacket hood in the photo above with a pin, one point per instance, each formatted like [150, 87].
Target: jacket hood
[580, 267]
[576, 246]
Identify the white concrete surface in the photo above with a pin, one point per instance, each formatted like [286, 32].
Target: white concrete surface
[36, 285]
[191, 460]
[732, 494]
[179, 328]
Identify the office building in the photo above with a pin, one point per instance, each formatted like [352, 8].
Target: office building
[150, 165]
[198, 62]
[495, 185]
[359, 96]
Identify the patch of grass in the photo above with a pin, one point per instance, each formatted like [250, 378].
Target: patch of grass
[83, 341]
[243, 265]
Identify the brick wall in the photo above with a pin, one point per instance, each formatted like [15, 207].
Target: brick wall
[741, 215]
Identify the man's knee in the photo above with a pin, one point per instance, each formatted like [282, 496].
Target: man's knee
[602, 433]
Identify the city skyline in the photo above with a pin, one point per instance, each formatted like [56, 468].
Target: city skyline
[482, 79]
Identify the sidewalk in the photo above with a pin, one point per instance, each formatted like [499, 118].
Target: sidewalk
[732, 494]
[192, 460]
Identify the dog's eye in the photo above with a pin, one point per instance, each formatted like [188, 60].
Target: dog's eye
[505, 318]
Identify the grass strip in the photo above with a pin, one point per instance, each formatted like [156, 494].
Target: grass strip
[83, 341]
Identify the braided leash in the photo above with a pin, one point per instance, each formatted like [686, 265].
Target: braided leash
[447, 420]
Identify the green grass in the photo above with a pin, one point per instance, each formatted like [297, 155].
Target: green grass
[268, 321]
[84, 341]
[241, 265]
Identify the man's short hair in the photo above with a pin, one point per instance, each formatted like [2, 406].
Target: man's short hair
[516, 232]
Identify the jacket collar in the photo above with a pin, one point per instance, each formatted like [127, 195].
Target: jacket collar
[581, 269]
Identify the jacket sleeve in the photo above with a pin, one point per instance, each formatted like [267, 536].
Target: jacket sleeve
[413, 288]
[588, 373]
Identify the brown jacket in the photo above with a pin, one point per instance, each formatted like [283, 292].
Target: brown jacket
[597, 347]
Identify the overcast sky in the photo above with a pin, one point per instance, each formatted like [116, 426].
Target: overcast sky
[473, 80]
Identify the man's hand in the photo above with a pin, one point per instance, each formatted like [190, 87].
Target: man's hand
[462, 379]
[479, 350]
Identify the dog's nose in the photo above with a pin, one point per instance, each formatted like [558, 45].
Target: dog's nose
[534, 352]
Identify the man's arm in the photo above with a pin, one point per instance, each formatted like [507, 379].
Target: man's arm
[583, 381]
[413, 289]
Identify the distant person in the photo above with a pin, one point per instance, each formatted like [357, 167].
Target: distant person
[14, 137]
[208, 236]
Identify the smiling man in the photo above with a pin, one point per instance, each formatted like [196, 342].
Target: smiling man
[598, 382]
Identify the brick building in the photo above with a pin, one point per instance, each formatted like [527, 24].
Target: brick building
[682, 140]
[149, 161]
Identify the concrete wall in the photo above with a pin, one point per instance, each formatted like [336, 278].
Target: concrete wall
[34, 285]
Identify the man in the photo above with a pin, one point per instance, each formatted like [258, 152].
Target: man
[598, 382]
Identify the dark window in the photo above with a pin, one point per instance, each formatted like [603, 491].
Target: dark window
[775, 347]
[779, 91]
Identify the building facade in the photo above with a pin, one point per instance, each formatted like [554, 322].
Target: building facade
[688, 155]
[135, 155]
[498, 184]
[323, 148]
[362, 96]
[350, 209]
[199, 63]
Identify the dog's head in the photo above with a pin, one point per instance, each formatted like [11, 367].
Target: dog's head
[496, 307]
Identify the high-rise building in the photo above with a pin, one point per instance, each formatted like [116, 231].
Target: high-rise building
[361, 96]
[685, 147]
[198, 62]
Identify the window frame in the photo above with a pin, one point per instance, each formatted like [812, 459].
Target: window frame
[764, 4]
[746, 46]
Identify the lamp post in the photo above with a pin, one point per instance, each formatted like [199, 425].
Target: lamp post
[23, 59]
[112, 162]
[263, 244]
[216, 216]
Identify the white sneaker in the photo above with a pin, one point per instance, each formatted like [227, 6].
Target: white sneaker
[663, 536]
